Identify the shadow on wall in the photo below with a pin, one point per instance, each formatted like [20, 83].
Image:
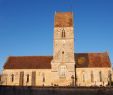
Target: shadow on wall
[13, 90]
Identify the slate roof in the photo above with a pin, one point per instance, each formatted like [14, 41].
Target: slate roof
[63, 19]
[83, 60]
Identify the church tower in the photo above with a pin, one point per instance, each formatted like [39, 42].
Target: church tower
[63, 55]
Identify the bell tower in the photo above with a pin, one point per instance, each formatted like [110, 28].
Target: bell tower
[63, 53]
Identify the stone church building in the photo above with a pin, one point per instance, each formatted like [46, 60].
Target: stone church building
[64, 68]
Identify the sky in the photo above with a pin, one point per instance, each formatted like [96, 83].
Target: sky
[27, 26]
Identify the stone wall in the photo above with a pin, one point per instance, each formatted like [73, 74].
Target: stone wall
[93, 76]
[46, 77]
[43, 77]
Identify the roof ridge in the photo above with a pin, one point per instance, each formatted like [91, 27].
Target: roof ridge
[31, 56]
[88, 52]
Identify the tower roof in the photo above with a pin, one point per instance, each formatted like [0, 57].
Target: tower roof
[63, 19]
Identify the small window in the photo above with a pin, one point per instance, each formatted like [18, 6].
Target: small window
[27, 78]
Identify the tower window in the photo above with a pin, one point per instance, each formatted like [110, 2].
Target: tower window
[63, 33]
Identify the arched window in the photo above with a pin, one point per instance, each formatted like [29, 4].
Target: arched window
[83, 76]
[43, 76]
[27, 78]
[12, 78]
[92, 77]
[21, 80]
[100, 76]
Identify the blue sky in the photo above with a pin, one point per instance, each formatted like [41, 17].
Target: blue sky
[26, 26]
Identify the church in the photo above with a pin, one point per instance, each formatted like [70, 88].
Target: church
[64, 68]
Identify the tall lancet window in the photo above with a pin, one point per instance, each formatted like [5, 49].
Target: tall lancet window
[100, 76]
[92, 76]
[27, 78]
[43, 77]
[109, 75]
[12, 78]
[83, 76]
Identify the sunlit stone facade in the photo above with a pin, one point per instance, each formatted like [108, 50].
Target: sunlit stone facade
[64, 68]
